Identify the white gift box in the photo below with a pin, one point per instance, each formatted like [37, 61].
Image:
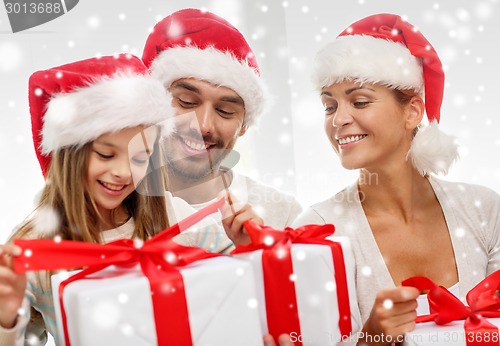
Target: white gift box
[451, 334]
[117, 310]
[315, 289]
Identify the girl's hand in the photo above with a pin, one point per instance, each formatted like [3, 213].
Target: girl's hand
[284, 340]
[393, 314]
[234, 214]
[12, 286]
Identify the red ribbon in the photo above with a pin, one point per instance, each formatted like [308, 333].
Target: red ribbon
[159, 258]
[278, 268]
[483, 301]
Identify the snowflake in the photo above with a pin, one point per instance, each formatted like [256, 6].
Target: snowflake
[314, 300]
[127, 329]
[12, 56]
[366, 271]
[171, 258]
[460, 232]
[252, 303]
[93, 22]
[105, 315]
[138, 243]
[123, 298]
[300, 255]
[330, 286]
[388, 304]
[269, 240]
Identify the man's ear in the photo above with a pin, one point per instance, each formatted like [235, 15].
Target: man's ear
[416, 109]
[243, 130]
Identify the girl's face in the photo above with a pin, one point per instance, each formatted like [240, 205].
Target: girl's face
[116, 161]
[365, 124]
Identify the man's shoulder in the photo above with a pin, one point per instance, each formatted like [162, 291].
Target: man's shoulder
[258, 189]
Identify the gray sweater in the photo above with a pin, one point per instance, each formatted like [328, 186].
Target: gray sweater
[472, 214]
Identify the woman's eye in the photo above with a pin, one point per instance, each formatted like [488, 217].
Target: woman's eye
[361, 104]
[330, 110]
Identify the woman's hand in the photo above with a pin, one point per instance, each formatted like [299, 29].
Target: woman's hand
[393, 314]
[12, 286]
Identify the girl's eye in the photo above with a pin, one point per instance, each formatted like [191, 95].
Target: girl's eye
[103, 156]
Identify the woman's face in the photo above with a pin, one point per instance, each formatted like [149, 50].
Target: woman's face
[365, 124]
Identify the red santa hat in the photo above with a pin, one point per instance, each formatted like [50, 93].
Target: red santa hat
[385, 49]
[198, 44]
[74, 104]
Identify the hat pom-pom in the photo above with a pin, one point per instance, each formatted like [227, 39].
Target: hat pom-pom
[433, 151]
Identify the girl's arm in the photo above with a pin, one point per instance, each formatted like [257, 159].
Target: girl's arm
[12, 293]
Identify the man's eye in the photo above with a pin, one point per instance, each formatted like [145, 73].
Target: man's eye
[224, 113]
[139, 161]
[185, 103]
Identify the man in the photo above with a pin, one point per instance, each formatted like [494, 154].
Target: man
[213, 76]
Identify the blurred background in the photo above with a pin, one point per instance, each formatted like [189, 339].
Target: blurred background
[288, 149]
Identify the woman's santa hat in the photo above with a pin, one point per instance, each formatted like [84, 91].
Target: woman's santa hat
[74, 104]
[198, 44]
[386, 50]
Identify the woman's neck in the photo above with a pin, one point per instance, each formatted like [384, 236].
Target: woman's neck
[397, 190]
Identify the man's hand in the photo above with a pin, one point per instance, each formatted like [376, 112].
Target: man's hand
[234, 214]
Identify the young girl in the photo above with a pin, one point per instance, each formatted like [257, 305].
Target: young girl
[94, 129]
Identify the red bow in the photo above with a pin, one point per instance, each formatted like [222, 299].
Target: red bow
[483, 301]
[277, 269]
[159, 258]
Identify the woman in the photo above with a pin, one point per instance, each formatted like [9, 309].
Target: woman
[401, 219]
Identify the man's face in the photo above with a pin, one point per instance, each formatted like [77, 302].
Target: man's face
[209, 121]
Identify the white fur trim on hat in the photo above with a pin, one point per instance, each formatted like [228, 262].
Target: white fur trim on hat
[367, 59]
[106, 105]
[216, 67]
[432, 151]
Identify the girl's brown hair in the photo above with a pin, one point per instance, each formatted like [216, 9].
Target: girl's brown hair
[65, 193]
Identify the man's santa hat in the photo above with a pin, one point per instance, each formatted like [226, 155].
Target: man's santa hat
[74, 104]
[386, 50]
[198, 44]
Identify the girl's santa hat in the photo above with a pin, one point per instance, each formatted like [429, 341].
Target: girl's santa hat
[386, 50]
[74, 104]
[198, 44]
